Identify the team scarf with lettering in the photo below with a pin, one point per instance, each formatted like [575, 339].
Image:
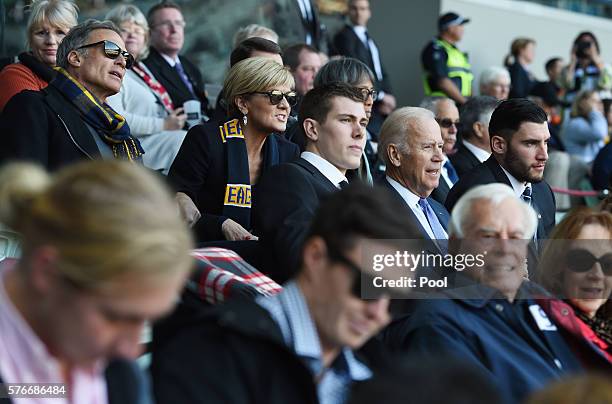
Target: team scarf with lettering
[237, 200]
[112, 127]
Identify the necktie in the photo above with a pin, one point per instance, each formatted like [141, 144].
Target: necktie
[343, 184]
[181, 72]
[526, 195]
[367, 43]
[434, 224]
[450, 170]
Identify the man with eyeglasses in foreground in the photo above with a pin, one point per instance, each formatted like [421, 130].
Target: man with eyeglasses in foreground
[298, 346]
[333, 118]
[447, 116]
[69, 120]
[179, 76]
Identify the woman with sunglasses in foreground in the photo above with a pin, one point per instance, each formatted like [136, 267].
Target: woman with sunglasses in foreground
[103, 252]
[576, 266]
[220, 162]
[48, 24]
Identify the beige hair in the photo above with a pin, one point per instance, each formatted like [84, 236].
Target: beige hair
[396, 127]
[106, 219]
[130, 13]
[251, 75]
[57, 13]
[253, 30]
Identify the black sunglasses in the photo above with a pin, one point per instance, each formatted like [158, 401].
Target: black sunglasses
[112, 51]
[365, 92]
[580, 260]
[276, 96]
[373, 293]
[447, 123]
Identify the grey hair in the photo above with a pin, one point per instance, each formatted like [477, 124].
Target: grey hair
[491, 73]
[130, 13]
[346, 70]
[253, 30]
[397, 127]
[78, 37]
[495, 193]
[475, 110]
[431, 103]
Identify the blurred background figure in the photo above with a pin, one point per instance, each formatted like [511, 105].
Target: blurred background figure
[589, 389]
[103, 252]
[48, 24]
[142, 100]
[254, 31]
[522, 53]
[495, 82]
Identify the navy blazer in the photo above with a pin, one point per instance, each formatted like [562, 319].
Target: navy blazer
[200, 171]
[438, 208]
[463, 160]
[287, 198]
[542, 197]
[520, 350]
[602, 168]
[172, 82]
[44, 127]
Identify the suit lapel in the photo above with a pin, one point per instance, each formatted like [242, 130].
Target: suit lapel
[498, 173]
[169, 76]
[317, 174]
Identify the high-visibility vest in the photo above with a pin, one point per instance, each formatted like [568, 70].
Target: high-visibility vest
[458, 67]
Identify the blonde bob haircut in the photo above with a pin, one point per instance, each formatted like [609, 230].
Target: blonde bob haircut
[252, 75]
[105, 219]
[130, 13]
[62, 14]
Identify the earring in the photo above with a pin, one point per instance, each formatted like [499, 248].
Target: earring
[245, 120]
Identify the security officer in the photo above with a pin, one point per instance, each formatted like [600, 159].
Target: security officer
[447, 70]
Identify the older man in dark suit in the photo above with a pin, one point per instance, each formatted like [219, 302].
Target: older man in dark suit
[180, 77]
[411, 147]
[334, 119]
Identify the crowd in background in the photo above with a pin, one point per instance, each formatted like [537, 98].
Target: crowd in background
[238, 231]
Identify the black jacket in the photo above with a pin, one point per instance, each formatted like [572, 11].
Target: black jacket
[44, 127]
[200, 171]
[287, 198]
[463, 160]
[170, 79]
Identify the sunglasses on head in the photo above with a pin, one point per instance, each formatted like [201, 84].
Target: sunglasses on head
[113, 51]
[373, 293]
[365, 92]
[580, 260]
[447, 123]
[276, 96]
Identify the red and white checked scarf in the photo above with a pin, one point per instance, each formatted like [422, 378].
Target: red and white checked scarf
[155, 86]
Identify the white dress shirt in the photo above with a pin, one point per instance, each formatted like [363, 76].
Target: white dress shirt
[444, 172]
[326, 168]
[360, 31]
[481, 155]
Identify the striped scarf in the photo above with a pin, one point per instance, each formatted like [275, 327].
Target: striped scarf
[112, 127]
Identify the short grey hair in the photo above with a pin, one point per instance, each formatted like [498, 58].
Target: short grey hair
[491, 73]
[78, 37]
[253, 30]
[397, 127]
[431, 102]
[130, 13]
[476, 109]
[495, 193]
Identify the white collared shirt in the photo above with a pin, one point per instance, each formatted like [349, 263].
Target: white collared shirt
[444, 172]
[517, 186]
[171, 62]
[360, 31]
[412, 200]
[481, 155]
[326, 168]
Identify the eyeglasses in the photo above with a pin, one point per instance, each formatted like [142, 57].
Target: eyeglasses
[580, 260]
[447, 123]
[365, 92]
[276, 96]
[113, 51]
[373, 293]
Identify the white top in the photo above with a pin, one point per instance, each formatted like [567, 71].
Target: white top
[326, 168]
[481, 155]
[168, 59]
[306, 11]
[444, 172]
[360, 31]
[517, 186]
[412, 200]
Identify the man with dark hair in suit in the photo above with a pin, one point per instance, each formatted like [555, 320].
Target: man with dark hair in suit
[180, 77]
[411, 147]
[447, 116]
[298, 21]
[519, 144]
[354, 41]
[334, 119]
[474, 146]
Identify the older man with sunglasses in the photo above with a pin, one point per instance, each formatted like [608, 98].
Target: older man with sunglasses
[298, 346]
[69, 120]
